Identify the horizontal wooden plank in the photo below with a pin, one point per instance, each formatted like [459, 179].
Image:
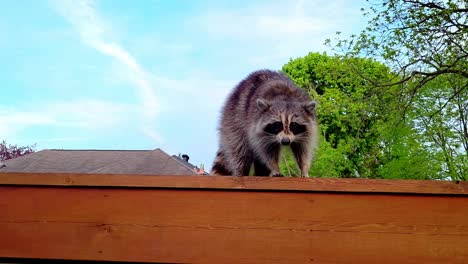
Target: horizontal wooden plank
[238, 183]
[221, 226]
[191, 245]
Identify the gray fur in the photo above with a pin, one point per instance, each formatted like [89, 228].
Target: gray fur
[253, 107]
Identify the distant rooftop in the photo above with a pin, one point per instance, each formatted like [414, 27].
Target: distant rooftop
[150, 162]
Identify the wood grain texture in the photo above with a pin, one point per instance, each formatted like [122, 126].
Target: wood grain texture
[238, 183]
[224, 226]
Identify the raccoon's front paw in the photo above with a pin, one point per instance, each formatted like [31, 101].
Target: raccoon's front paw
[277, 175]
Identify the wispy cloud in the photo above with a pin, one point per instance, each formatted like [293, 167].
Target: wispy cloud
[269, 21]
[89, 114]
[278, 30]
[11, 122]
[95, 32]
[62, 139]
[84, 114]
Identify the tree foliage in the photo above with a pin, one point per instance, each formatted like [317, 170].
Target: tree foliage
[425, 44]
[419, 39]
[13, 151]
[402, 113]
[360, 132]
[440, 116]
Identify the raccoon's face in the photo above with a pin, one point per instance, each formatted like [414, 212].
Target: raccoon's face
[286, 122]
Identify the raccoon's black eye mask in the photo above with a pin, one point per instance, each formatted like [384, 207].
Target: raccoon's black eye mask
[273, 128]
[297, 128]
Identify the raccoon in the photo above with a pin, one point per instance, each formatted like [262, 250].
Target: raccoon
[264, 112]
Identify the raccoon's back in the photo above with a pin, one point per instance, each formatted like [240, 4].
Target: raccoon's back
[240, 105]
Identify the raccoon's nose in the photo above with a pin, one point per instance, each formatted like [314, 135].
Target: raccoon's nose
[285, 141]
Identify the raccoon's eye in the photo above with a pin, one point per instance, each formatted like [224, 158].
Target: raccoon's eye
[297, 128]
[274, 128]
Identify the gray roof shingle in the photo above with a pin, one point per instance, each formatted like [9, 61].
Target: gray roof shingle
[151, 162]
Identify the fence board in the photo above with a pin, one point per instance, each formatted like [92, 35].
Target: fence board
[229, 220]
[245, 183]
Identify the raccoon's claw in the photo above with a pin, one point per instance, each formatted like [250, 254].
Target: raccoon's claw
[277, 175]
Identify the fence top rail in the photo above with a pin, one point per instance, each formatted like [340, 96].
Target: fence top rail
[235, 183]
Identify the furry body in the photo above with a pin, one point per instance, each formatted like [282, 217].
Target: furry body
[265, 111]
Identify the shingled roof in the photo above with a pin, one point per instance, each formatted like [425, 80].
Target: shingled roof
[150, 162]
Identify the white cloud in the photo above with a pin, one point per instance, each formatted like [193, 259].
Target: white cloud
[81, 114]
[257, 24]
[62, 139]
[279, 19]
[90, 114]
[20, 118]
[12, 122]
[95, 32]
[269, 33]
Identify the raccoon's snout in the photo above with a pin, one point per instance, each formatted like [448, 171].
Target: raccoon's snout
[285, 141]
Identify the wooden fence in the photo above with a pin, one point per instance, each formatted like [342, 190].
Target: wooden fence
[207, 219]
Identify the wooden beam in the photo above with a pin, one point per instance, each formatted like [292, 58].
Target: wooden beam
[238, 183]
[193, 219]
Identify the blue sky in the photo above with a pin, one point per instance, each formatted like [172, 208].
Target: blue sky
[145, 74]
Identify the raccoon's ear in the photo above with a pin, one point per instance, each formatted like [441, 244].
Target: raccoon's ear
[310, 107]
[263, 104]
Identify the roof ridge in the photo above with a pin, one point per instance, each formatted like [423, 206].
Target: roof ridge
[176, 159]
[183, 162]
[169, 157]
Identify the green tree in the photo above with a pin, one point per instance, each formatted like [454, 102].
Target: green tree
[440, 116]
[420, 40]
[360, 132]
[425, 44]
